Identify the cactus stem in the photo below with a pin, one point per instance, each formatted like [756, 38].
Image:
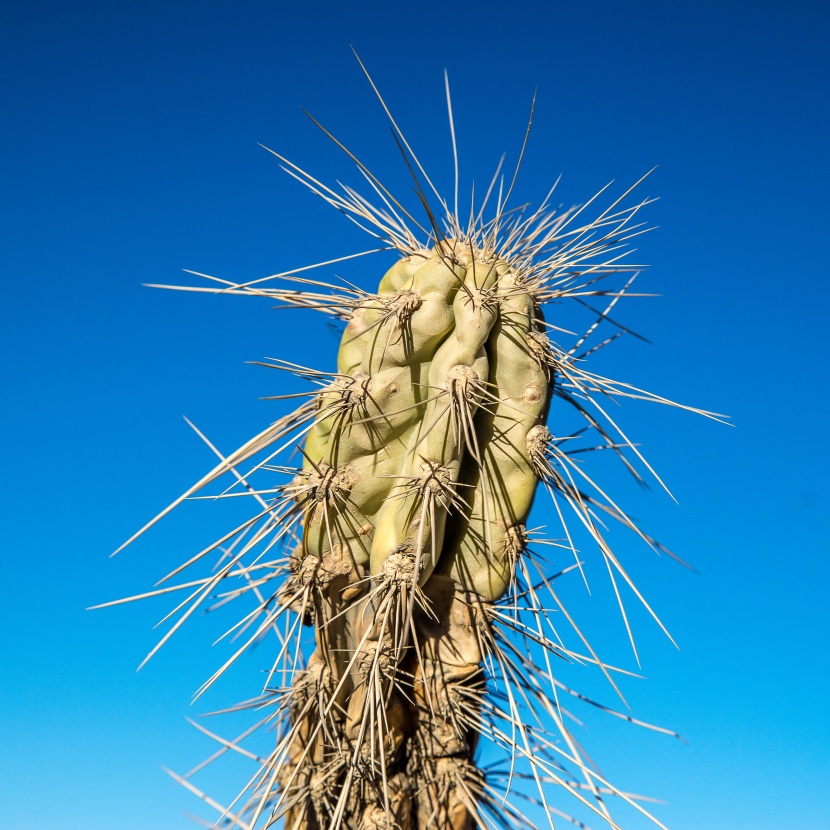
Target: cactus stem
[402, 540]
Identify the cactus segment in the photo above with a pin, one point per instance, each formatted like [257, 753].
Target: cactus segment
[401, 541]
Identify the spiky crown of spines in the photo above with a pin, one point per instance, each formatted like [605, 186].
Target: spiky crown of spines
[406, 522]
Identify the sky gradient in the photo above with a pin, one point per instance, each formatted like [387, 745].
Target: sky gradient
[129, 136]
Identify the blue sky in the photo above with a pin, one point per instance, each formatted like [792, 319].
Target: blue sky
[129, 136]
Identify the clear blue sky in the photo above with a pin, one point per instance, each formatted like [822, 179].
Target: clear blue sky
[129, 151]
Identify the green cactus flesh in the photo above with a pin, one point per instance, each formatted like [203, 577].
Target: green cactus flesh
[401, 543]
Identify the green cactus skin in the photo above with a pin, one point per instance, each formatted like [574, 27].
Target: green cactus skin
[401, 540]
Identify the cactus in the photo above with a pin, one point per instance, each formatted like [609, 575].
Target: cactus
[401, 539]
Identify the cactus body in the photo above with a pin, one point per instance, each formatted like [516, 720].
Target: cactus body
[401, 538]
[451, 392]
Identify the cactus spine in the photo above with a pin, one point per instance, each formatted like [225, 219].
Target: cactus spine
[402, 539]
